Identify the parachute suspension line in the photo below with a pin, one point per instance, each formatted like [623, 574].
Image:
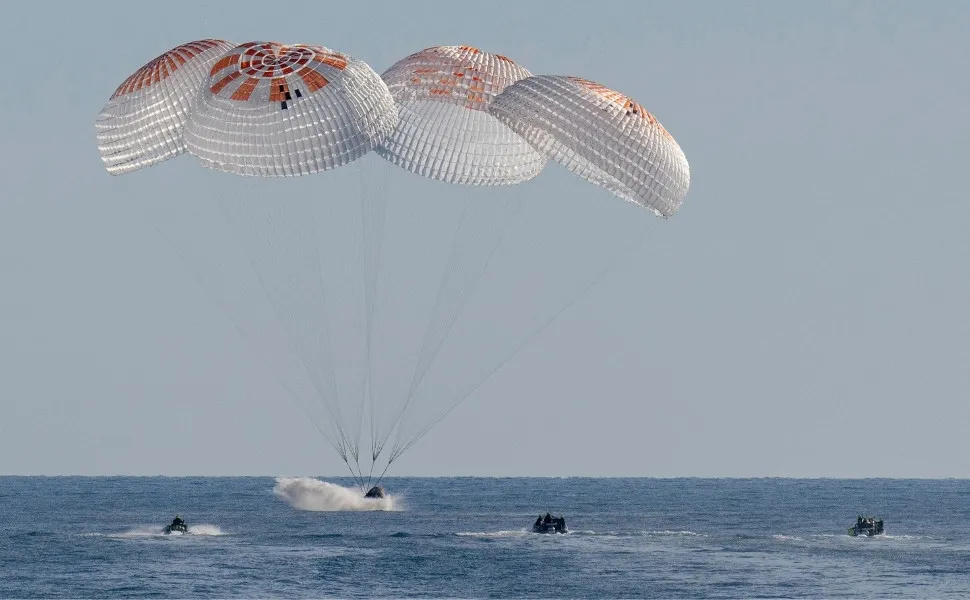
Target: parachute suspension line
[431, 346]
[445, 277]
[301, 352]
[286, 386]
[328, 350]
[358, 480]
[611, 267]
[373, 217]
[386, 467]
[342, 454]
[463, 300]
[327, 342]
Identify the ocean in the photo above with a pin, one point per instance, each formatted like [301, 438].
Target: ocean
[101, 537]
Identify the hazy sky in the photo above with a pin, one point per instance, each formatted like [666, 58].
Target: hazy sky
[804, 314]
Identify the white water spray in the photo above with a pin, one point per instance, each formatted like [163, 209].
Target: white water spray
[151, 531]
[306, 493]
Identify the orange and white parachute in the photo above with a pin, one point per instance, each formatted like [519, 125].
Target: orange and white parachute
[273, 110]
[450, 113]
[259, 108]
[599, 134]
[143, 122]
[445, 131]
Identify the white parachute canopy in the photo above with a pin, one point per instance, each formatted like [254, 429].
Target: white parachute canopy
[445, 132]
[270, 109]
[143, 122]
[599, 134]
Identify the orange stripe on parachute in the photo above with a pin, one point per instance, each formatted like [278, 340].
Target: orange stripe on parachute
[223, 62]
[631, 107]
[278, 89]
[314, 81]
[215, 89]
[163, 66]
[245, 89]
[334, 60]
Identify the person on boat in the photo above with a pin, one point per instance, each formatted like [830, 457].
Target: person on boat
[178, 524]
[538, 522]
[548, 518]
[562, 523]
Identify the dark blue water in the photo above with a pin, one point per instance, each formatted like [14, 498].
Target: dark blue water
[466, 537]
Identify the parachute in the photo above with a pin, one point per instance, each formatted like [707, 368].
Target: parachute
[445, 132]
[144, 121]
[374, 309]
[599, 134]
[274, 110]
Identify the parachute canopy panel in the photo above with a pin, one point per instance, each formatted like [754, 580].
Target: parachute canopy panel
[274, 110]
[599, 134]
[143, 122]
[444, 130]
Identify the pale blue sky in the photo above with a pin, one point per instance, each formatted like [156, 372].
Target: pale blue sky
[804, 314]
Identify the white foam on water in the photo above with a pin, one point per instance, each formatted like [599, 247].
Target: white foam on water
[143, 531]
[495, 534]
[205, 529]
[306, 493]
[647, 533]
[150, 531]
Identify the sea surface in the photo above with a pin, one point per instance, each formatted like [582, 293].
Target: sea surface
[101, 537]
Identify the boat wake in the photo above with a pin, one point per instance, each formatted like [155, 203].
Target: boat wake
[580, 533]
[306, 493]
[202, 530]
[632, 534]
[495, 534]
